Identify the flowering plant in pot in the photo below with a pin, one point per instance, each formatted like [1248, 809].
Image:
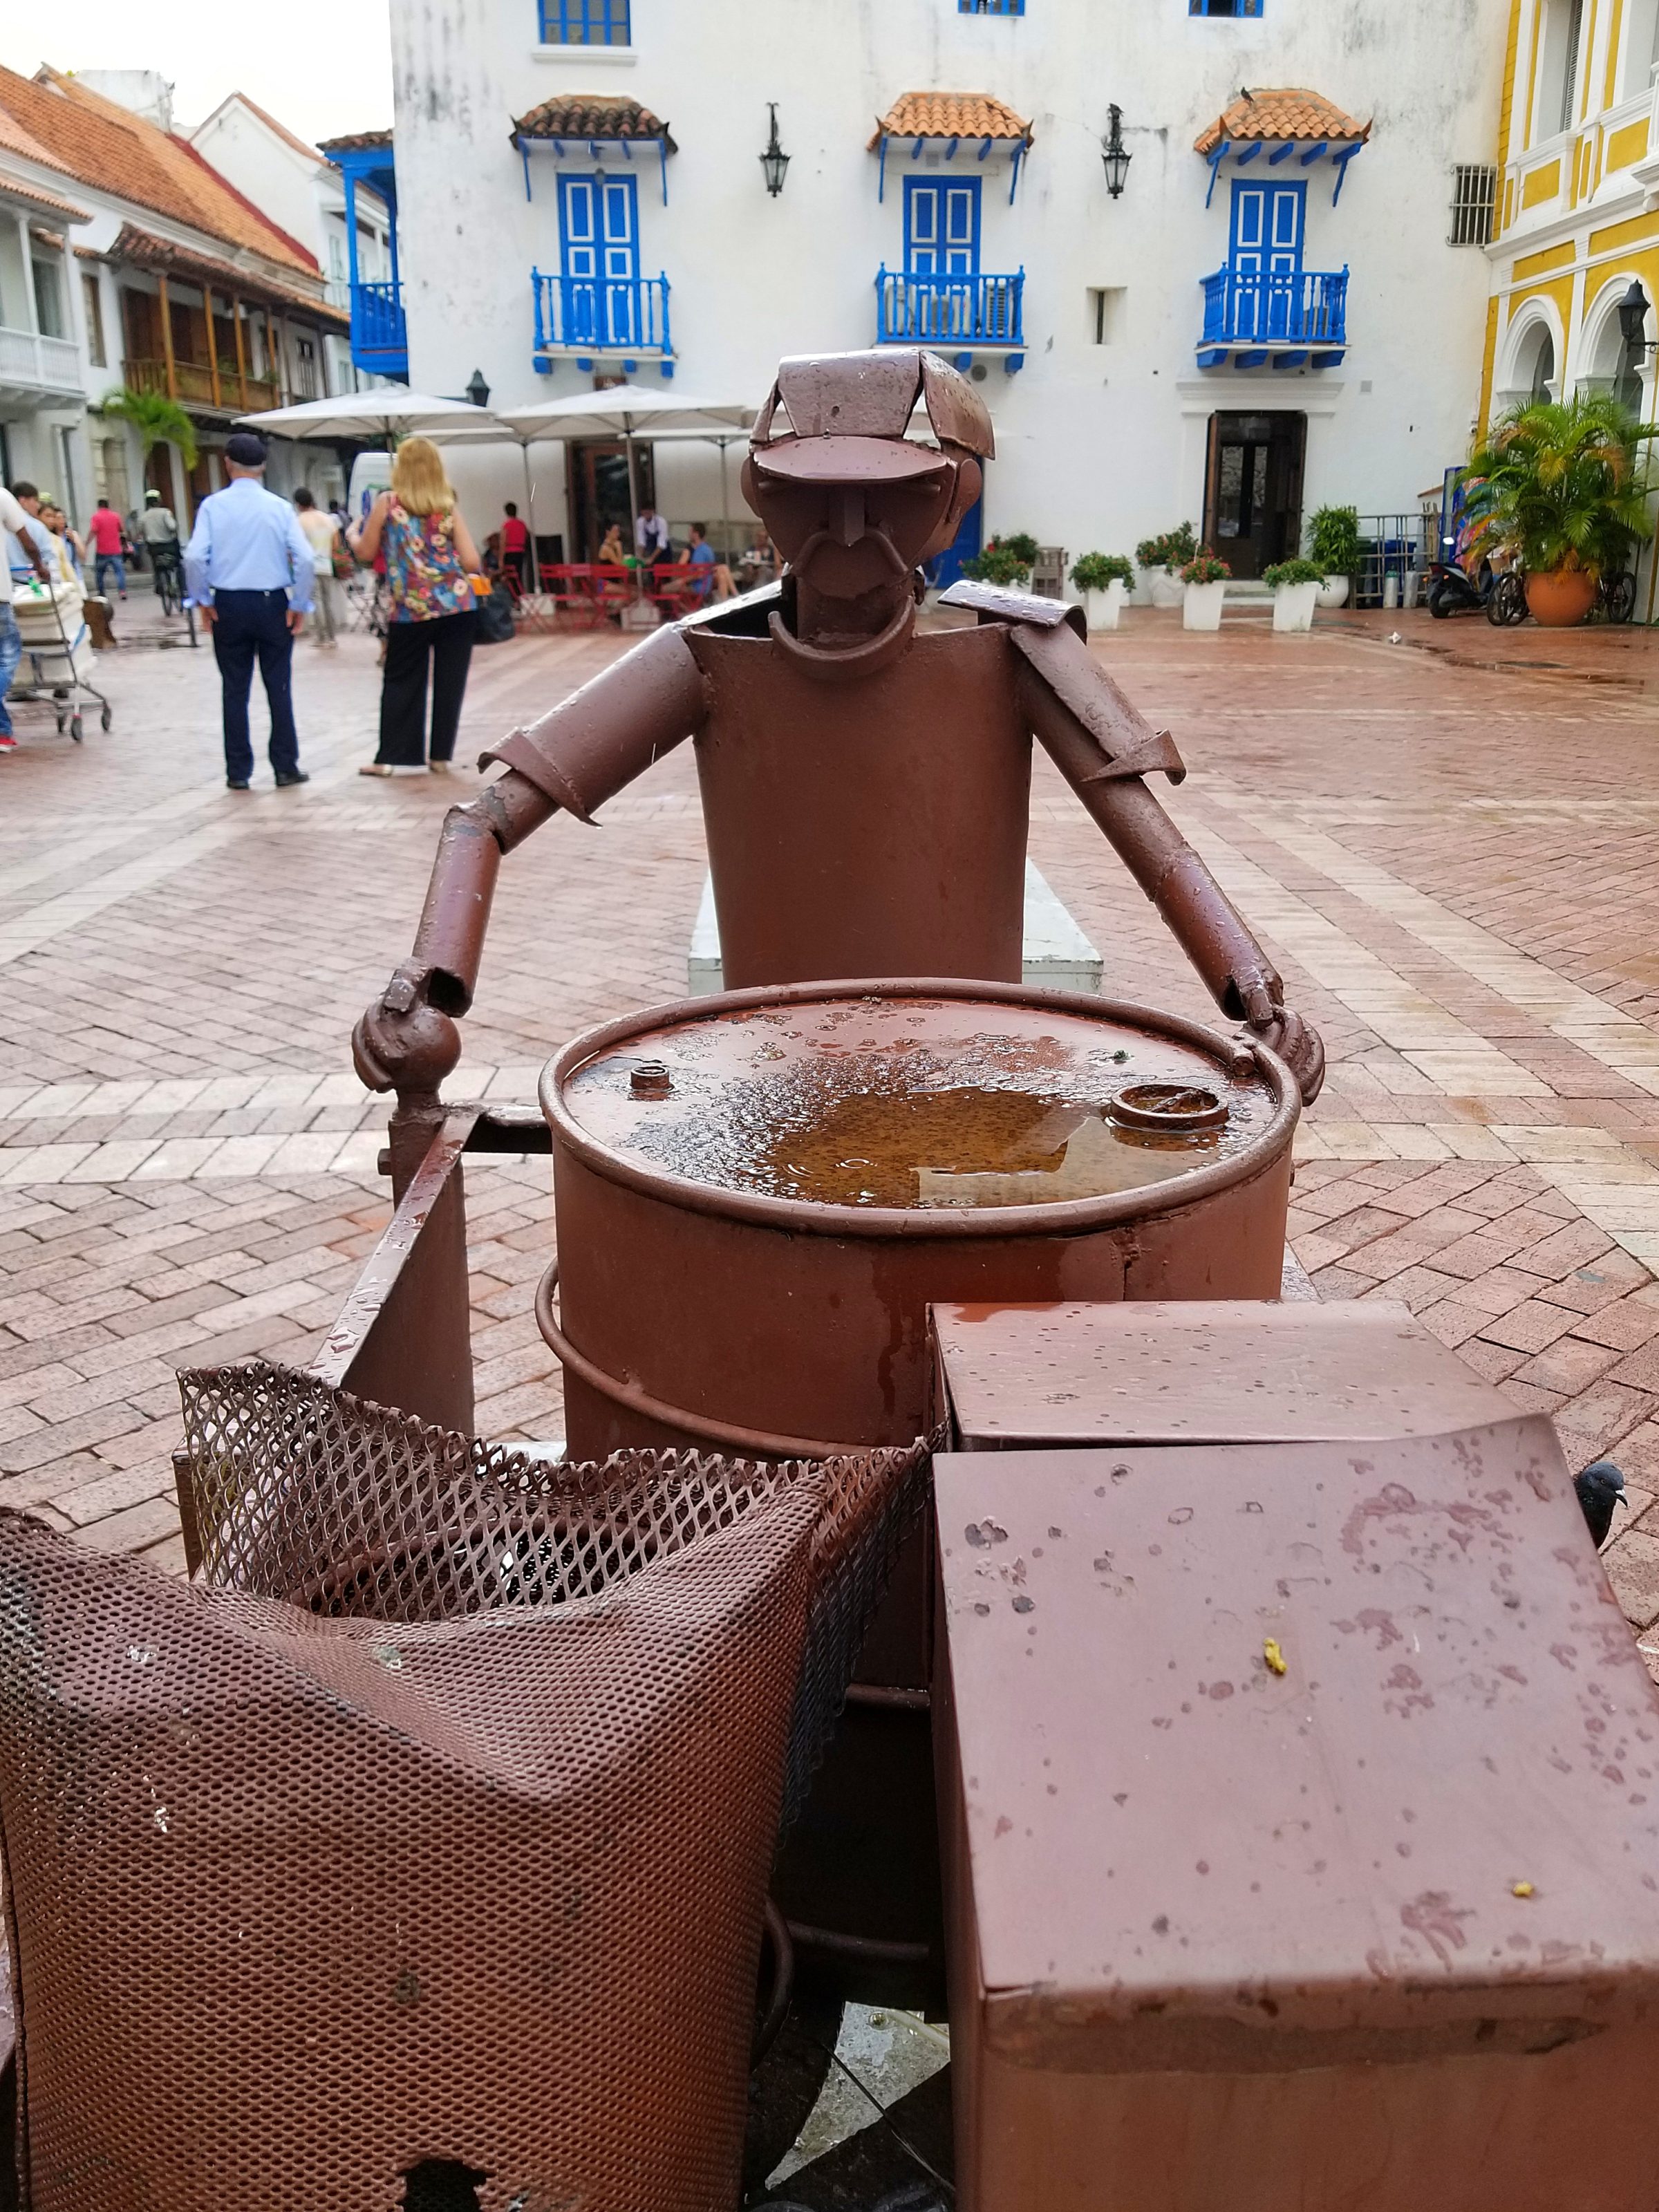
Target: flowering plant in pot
[1296, 586]
[1005, 560]
[1104, 579]
[1205, 578]
[1159, 558]
[1554, 486]
[1333, 548]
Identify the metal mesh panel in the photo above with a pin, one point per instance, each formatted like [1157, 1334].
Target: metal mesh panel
[302, 1491]
[452, 1867]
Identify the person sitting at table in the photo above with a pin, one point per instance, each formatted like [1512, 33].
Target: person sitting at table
[701, 555]
[612, 553]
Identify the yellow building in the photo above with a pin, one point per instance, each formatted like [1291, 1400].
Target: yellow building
[1576, 202]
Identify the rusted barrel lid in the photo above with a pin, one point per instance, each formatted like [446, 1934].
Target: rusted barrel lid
[958, 1103]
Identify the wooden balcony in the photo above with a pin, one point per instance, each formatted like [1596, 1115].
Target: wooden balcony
[193, 384]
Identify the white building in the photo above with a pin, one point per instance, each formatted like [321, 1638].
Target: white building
[302, 192]
[581, 196]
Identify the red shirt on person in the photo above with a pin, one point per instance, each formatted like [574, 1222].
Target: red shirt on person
[105, 529]
[514, 536]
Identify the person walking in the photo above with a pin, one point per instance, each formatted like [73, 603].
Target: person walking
[105, 529]
[515, 548]
[248, 569]
[158, 533]
[20, 542]
[430, 558]
[322, 535]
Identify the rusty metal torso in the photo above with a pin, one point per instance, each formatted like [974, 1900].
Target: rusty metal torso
[875, 827]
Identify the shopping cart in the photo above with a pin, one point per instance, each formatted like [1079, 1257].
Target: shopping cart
[57, 662]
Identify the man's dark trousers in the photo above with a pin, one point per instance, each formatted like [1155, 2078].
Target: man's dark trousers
[249, 626]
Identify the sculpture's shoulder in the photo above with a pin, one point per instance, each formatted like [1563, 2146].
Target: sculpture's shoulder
[995, 603]
[747, 615]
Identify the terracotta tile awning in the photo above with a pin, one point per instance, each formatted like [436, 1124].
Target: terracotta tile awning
[1290, 112]
[586, 116]
[14, 188]
[356, 142]
[951, 115]
[140, 250]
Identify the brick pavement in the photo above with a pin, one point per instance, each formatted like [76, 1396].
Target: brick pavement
[1452, 862]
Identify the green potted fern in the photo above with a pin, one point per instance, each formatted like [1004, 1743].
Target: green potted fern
[1296, 586]
[1204, 581]
[1334, 547]
[1104, 579]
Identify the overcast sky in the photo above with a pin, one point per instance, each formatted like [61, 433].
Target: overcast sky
[323, 67]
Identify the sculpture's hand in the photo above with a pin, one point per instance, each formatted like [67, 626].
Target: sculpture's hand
[402, 1042]
[1298, 1043]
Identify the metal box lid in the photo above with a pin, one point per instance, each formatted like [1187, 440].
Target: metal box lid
[1227, 1372]
[1436, 1829]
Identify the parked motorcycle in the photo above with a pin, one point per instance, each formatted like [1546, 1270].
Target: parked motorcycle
[1499, 594]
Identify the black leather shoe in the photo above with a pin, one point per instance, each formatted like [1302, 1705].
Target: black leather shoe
[235, 783]
[293, 775]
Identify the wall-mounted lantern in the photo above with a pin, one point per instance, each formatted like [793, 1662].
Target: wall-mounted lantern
[1633, 319]
[1116, 154]
[477, 389]
[774, 161]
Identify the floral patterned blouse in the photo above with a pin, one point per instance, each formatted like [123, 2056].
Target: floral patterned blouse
[422, 566]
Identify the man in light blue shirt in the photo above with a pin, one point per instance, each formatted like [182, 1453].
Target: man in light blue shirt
[248, 569]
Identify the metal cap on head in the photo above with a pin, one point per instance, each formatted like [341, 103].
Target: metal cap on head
[836, 403]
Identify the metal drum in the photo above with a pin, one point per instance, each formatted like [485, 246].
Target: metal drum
[757, 1198]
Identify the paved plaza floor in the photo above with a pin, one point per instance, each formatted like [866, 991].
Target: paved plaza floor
[1451, 843]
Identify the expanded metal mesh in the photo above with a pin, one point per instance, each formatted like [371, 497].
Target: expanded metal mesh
[421, 1846]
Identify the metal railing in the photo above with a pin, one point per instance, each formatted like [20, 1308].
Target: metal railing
[1301, 307]
[30, 357]
[977, 310]
[378, 323]
[626, 314]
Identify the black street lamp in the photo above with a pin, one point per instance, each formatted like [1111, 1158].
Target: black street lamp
[1633, 319]
[1116, 154]
[774, 161]
[477, 389]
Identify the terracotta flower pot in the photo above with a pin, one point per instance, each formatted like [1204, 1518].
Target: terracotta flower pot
[1562, 599]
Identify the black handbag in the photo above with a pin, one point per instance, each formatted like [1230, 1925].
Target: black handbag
[493, 618]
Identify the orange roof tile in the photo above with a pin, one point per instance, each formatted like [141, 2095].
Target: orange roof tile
[1290, 112]
[14, 188]
[601, 116]
[105, 145]
[144, 252]
[354, 142]
[951, 115]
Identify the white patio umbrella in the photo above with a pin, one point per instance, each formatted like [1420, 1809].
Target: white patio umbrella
[391, 413]
[627, 411]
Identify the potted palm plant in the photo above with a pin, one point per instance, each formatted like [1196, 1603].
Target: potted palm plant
[1205, 579]
[1556, 488]
[1296, 586]
[1159, 558]
[1334, 548]
[1104, 579]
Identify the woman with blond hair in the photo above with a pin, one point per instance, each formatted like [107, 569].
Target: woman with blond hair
[431, 559]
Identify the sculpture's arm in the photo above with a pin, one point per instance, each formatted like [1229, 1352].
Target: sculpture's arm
[572, 761]
[1103, 747]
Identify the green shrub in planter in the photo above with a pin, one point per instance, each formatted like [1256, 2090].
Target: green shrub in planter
[1204, 568]
[1000, 564]
[1172, 550]
[1093, 572]
[1022, 545]
[1293, 572]
[1333, 542]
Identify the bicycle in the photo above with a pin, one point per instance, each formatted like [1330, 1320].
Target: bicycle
[1615, 596]
[168, 565]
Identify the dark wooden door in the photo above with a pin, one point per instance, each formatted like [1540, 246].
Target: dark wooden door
[1253, 496]
[597, 491]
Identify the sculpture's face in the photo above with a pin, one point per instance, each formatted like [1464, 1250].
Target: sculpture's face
[852, 515]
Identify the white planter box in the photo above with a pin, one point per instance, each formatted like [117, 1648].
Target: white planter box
[1293, 605]
[1333, 592]
[1142, 590]
[1167, 587]
[1103, 608]
[1201, 606]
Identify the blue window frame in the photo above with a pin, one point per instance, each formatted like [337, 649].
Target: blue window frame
[990, 7]
[941, 226]
[1224, 7]
[585, 22]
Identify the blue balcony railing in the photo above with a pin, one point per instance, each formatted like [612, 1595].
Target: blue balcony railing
[966, 311]
[1304, 308]
[601, 314]
[380, 335]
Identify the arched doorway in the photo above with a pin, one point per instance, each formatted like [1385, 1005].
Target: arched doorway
[1535, 362]
[1613, 366]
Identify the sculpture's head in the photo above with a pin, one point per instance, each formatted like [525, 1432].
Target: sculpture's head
[854, 504]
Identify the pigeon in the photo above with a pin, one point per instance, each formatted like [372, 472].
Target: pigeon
[1601, 1487]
